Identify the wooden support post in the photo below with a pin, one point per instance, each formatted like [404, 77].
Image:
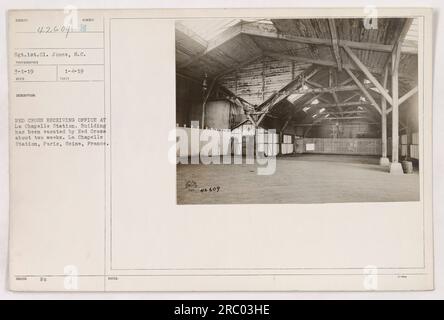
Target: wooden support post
[384, 161]
[395, 166]
[252, 121]
[328, 90]
[405, 97]
[330, 84]
[203, 113]
[235, 82]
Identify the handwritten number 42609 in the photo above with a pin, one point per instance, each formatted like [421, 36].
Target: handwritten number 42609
[55, 29]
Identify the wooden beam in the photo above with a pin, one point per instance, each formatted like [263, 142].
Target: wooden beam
[352, 96]
[325, 100]
[344, 118]
[335, 43]
[405, 29]
[268, 104]
[313, 98]
[384, 117]
[364, 90]
[346, 81]
[329, 90]
[317, 85]
[230, 93]
[405, 97]
[408, 95]
[314, 124]
[293, 83]
[330, 84]
[263, 80]
[348, 112]
[184, 76]
[368, 74]
[213, 83]
[399, 39]
[395, 105]
[269, 31]
[320, 62]
[341, 104]
[252, 120]
[191, 34]
[335, 97]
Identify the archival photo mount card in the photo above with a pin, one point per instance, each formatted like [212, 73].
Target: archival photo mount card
[220, 150]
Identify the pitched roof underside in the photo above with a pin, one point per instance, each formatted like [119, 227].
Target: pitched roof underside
[220, 47]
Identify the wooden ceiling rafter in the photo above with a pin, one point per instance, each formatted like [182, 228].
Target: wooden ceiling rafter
[405, 97]
[268, 31]
[360, 88]
[368, 74]
[399, 39]
[275, 98]
[335, 105]
[335, 43]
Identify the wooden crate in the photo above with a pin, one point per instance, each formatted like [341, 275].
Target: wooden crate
[415, 138]
[343, 146]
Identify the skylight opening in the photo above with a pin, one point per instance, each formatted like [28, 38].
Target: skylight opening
[293, 97]
[210, 29]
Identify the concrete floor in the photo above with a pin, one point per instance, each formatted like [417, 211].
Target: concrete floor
[308, 178]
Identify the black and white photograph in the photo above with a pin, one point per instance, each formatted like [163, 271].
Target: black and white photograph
[319, 110]
[232, 152]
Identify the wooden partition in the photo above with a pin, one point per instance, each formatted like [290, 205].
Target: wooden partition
[353, 146]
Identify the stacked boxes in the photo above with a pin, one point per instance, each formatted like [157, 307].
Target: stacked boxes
[287, 144]
[414, 147]
[272, 144]
[185, 137]
[403, 145]
[357, 146]
[267, 142]
[260, 140]
[236, 135]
